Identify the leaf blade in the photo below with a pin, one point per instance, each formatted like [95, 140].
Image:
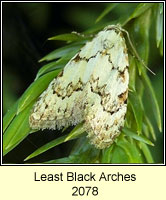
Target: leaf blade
[153, 99]
[62, 52]
[151, 129]
[70, 37]
[46, 147]
[78, 130]
[17, 131]
[106, 154]
[140, 9]
[131, 150]
[135, 102]
[9, 116]
[35, 89]
[159, 26]
[137, 137]
[106, 11]
[50, 67]
[146, 152]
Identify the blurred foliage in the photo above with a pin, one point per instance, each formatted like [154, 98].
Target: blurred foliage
[144, 23]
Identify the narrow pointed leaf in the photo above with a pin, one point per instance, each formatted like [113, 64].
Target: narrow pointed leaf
[9, 116]
[161, 7]
[85, 152]
[63, 51]
[69, 159]
[161, 47]
[97, 27]
[119, 156]
[131, 151]
[153, 99]
[146, 152]
[135, 13]
[90, 155]
[73, 134]
[70, 37]
[17, 131]
[137, 109]
[150, 126]
[141, 8]
[106, 11]
[106, 154]
[46, 147]
[132, 72]
[82, 144]
[35, 89]
[135, 136]
[145, 130]
[50, 67]
[159, 26]
[77, 131]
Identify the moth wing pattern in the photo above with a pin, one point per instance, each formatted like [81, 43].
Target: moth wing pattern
[92, 88]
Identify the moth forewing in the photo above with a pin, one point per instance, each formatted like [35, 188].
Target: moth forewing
[93, 88]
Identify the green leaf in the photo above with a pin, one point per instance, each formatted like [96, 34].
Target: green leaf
[46, 147]
[132, 72]
[161, 47]
[70, 37]
[140, 89]
[70, 159]
[131, 151]
[135, 102]
[159, 26]
[9, 116]
[161, 8]
[63, 52]
[106, 11]
[106, 154]
[76, 132]
[50, 67]
[97, 27]
[146, 152]
[35, 89]
[17, 131]
[140, 9]
[137, 137]
[140, 32]
[82, 144]
[88, 155]
[145, 130]
[130, 119]
[135, 13]
[150, 126]
[119, 155]
[153, 99]
[84, 152]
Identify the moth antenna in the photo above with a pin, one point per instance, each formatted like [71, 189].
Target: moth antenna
[135, 52]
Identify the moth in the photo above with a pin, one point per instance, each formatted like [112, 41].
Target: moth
[92, 88]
